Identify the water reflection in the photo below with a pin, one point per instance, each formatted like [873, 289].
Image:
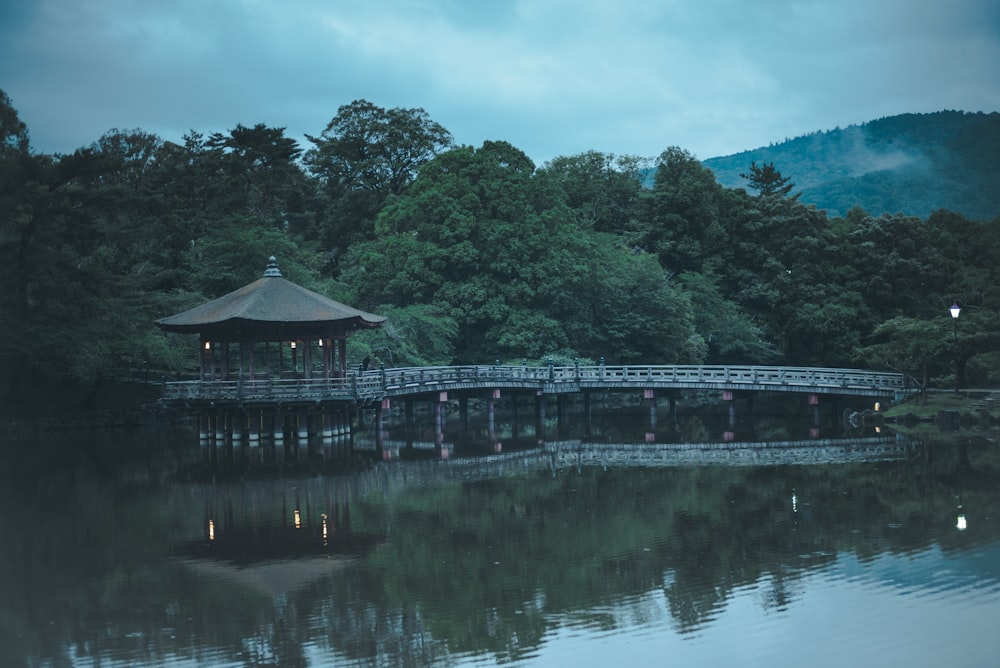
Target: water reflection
[575, 551]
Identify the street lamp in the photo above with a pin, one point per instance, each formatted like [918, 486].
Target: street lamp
[955, 309]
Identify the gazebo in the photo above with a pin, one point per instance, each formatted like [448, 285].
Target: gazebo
[270, 352]
[271, 329]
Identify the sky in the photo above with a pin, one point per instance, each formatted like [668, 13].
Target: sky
[552, 77]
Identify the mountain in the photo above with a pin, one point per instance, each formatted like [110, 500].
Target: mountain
[911, 164]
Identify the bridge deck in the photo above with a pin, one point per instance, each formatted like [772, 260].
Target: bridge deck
[411, 381]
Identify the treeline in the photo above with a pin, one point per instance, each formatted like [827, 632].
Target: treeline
[474, 254]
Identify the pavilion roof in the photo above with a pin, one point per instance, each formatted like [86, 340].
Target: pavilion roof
[269, 302]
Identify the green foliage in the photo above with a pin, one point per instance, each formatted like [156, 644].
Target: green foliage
[364, 155]
[476, 255]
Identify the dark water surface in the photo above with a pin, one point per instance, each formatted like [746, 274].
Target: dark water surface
[122, 548]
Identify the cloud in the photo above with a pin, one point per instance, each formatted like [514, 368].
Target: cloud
[552, 77]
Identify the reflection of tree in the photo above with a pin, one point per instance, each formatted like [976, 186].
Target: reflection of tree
[481, 568]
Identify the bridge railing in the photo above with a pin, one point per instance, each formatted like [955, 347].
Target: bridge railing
[377, 383]
[749, 375]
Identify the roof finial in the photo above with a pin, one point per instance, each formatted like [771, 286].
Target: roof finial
[272, 267]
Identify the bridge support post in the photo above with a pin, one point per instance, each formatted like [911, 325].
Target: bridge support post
[463, 411]
[673, 411]
[587, 415]
[561, 414]
[540, 415]
[408, 419]
[515, 418]
[730, 398]
[650, 394]
[439, 422]
[490, 413]
[379, 433]
[814, 402]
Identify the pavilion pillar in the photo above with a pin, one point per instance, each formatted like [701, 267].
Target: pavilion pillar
[327, 358]
[220, 427]
[327, 429]
[238, 419]
[302, 424]
[255, 417]
[279, 428]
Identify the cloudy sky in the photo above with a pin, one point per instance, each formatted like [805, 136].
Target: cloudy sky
[552, 77]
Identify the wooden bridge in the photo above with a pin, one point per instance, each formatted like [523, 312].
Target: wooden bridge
[375, 385]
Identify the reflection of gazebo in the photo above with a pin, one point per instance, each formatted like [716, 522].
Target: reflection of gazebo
[271, 328]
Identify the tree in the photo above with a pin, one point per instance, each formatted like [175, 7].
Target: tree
[680, 216]
[731, 335]
[261, 161]
[364, 155]
[768, 181]
[495, 248]
[601, 190]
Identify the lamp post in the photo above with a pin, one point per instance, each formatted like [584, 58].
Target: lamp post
[955, 309]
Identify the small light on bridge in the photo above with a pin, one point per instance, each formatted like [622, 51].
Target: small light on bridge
[961, 524]
[208, 345]
[955, 310]
[298, 519]
[292, 345]
[878, 406]
[320, 342]
[795, 503]
[211, 529]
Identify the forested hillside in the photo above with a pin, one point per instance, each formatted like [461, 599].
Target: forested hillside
[912, 163]
[473, 253]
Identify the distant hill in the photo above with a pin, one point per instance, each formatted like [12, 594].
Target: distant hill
[911, 164]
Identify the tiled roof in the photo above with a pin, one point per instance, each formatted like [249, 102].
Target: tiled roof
[271, 300]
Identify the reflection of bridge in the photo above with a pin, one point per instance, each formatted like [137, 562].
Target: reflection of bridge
[577, 454]
[403, 382]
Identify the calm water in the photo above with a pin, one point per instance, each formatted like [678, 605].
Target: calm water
[124, 549]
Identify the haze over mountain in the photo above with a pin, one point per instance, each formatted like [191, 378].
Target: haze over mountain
[911, 163]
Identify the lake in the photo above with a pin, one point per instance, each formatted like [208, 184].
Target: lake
[788, 541]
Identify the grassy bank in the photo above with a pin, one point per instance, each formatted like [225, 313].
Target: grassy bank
[978, 409]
